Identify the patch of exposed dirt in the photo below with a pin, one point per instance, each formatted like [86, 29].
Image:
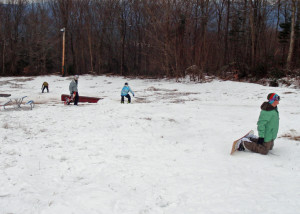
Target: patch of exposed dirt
[292, 135]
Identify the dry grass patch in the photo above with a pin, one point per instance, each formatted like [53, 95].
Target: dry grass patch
[15, 85]
[5, 126]
[159, 89]
[141, 100]
[292, 135]
[288, 92]
[40, 102]
[12, 82]
[23, 80]
[178, 101]
[147, 118]
[4, 82]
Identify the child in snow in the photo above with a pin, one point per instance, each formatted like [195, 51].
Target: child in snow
[267, 127]
[73, 88]
[45, 86]
[125, 93]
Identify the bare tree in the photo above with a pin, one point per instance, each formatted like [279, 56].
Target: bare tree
[154, 38]
[292, 36]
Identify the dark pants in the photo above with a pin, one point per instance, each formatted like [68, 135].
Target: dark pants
[44, 89]
[128, 97]
[259, 148]
[76, 98]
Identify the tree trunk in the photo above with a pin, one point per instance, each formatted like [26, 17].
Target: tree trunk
[292, 37]
[253, 32]
[226, 34]
[90, 50]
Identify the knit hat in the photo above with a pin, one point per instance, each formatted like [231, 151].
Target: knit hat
[126, 83]
[272, 97]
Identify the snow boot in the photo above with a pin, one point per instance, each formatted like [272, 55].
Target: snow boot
[240, 146]
[250, 135]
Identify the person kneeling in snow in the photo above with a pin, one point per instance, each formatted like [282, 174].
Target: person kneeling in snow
[267, 127]
[125, 93]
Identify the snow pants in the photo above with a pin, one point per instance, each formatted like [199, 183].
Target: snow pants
[259, 148]
[76, 99]
[45, 87]
[128, 97]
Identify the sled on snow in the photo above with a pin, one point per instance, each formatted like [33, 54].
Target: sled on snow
[82, 99]
[5, 95]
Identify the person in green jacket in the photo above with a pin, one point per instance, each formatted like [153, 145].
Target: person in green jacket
[267, 127]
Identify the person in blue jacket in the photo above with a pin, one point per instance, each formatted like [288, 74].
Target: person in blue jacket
[125, 93]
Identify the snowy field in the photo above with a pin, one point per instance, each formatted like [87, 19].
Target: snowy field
[166, 153]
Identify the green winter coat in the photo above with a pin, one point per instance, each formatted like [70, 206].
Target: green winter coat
[268, 122]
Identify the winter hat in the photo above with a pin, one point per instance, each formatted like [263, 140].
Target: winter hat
[126, 83]
[272, 97]
[76, 77]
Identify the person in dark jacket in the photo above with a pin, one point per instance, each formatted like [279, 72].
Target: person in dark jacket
[73, 88]
[267, 127]
[45, 86]
[125, 93]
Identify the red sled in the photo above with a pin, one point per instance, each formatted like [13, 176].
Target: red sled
[5, 95]
[82, 99]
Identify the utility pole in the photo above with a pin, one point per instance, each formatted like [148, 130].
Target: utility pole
[63, 52]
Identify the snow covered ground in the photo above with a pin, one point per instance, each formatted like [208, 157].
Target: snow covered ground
[166, 153]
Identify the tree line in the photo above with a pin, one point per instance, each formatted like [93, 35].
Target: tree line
[163, 38]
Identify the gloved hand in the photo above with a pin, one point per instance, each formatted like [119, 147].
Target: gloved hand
[261, 140]
[133, 95]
